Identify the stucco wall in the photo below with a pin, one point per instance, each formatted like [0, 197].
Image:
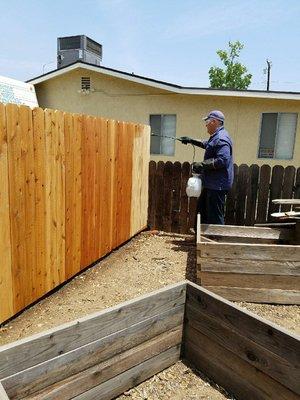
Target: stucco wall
[122, 100]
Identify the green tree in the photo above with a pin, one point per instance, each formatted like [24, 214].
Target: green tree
[234, 75]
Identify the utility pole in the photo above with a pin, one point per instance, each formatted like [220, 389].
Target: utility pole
[268, 70]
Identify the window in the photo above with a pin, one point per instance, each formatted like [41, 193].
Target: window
[277, 135]
[164, 126]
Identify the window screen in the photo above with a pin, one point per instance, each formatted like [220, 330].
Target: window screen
[277, 135]
[163, 126]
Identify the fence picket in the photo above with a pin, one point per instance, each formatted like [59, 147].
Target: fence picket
[287, 186]
[242, 184]
[183, 217]
[275, 188]
[252, 195]
[231, 201]
[176, 197]
[263, 194]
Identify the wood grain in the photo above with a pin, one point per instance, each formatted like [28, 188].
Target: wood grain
[6, 278]
[26, 353]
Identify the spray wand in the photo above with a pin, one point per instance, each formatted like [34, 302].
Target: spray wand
[194, 185]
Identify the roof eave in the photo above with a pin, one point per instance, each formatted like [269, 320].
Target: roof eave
[174, 89]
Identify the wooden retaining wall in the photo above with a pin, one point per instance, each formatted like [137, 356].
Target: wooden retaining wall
[247, 355]
[104, 354]
[249, 264]
[249, 201]
[72, 188]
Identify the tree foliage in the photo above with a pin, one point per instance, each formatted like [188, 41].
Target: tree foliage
[234, 75]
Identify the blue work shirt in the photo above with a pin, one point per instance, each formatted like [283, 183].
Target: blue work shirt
[218, 147]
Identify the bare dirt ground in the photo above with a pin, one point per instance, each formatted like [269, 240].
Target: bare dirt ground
[146, 263]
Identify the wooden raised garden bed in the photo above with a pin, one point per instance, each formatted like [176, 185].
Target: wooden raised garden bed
[105, 354]
[253, 264]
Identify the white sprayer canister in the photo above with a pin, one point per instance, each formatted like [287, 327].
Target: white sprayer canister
[193, 187]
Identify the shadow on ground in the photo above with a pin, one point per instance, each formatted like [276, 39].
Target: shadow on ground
[189, 246]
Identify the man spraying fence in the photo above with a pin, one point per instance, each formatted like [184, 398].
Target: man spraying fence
[216, 169]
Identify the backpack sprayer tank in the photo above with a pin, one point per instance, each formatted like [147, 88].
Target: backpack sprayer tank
[194, 183]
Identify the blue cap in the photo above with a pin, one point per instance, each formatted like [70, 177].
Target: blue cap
[215, 114]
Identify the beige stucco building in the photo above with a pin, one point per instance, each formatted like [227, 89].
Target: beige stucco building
[260, 123]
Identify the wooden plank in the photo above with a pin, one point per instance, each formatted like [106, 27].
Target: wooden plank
[245, 231]
[284, 282]
[55, 198]
[25, 353]
[290, 214]
[254, 295]
[159, 195]
[152, 197]
[250, 251]
[133, 376]
[242, 183]
[275, 187]
[252, 195]
[88, 192]
[167, 195]
[237, 376]
[176, 186]
[94, 376]
[254, 354]
[39, 168]
[111, 148]
[266, 334]
[235, 265]
[6, 284]
[192, 212]
[287, 186]
[3, 395]
[16, 167]
[297, 185]
[29, 199]
[277, 225]
[145, 167]
[183, 218]
[73, 133]
[263, 193]
[286, 201]
[230, 205]
[54, 370]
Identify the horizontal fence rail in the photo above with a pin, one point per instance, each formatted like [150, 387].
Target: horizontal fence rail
[72, 188]
[249, 202]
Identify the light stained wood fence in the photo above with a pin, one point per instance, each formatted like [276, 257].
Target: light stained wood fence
[72, 188]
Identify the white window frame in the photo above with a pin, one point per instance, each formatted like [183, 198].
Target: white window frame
[161, 137]
[276, 133]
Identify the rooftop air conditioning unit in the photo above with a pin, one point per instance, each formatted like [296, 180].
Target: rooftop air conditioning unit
[78, 48]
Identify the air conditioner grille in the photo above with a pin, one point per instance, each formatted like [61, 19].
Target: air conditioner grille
[68, 43]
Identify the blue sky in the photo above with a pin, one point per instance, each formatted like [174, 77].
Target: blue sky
[174, 41]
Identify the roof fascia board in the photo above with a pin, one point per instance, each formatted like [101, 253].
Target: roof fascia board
[164, 86]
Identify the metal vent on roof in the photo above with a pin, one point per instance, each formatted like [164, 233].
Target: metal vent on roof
[85, 83]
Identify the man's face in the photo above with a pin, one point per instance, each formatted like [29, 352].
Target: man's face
[212, 125]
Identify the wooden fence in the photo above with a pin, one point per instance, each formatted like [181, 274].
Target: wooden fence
[249, 202]
[72, 188]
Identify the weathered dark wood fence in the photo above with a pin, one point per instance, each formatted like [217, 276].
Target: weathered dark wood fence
[249, 201]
